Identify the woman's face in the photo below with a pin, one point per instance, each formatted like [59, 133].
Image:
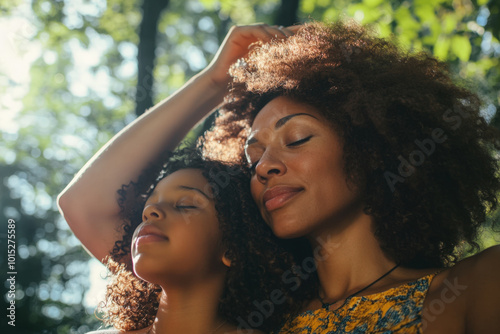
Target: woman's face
[179, 238]
[298, 179]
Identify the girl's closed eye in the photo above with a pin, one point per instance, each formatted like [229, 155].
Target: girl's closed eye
[190, 203]
[185, 206]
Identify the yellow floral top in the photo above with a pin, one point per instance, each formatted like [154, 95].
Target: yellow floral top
[397, 310]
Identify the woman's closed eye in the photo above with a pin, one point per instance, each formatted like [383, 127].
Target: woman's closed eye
[299, 142]
[253, 165]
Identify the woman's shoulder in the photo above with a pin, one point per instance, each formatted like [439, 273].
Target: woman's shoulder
[489, 254]
[477, 272]
[477, 278]
[483, 265]
[483, 274]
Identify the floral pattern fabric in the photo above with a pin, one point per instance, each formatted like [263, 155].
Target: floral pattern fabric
[397, 310]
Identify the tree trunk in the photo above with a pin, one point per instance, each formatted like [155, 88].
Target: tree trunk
[287, 13]
[151, 10]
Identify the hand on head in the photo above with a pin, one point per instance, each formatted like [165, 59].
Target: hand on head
[238, 42]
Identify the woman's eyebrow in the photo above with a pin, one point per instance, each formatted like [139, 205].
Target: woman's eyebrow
[279, 124]
[195, 189]
[282, 121]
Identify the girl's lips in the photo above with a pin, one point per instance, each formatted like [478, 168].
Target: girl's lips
[276, 197]
[148, 233]
[149, 238]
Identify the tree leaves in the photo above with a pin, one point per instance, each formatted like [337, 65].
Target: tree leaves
[461, 47]
[81, 92]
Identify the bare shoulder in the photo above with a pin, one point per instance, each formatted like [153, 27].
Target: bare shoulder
[480, 268]
[483, 295]
[488, 254]
[466, 297]
[480, 272]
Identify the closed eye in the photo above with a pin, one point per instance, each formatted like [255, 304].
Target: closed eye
[185, 207]
[299, 142]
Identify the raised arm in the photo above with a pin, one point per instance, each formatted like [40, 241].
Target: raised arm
[89, 203]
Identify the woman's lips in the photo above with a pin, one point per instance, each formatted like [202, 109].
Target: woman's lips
[276, 197]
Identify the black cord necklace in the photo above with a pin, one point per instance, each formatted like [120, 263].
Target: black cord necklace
[327, 305]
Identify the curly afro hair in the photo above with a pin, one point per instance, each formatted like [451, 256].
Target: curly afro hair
[261, 264]
[414, 141]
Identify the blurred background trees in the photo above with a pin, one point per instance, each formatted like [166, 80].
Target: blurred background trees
[73, 73]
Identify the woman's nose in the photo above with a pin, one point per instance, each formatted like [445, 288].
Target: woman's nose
[269, 165]
[152, 212]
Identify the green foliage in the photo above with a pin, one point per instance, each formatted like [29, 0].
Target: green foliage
[460, 45]
[191, 31]
[463, 33]
[81, 92]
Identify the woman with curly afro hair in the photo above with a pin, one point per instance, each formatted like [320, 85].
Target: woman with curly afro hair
[201, 258]
[384, 164]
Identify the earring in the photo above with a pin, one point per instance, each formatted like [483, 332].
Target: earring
[225, 259]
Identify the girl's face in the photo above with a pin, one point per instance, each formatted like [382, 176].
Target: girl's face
[298, 179]
[179, 239]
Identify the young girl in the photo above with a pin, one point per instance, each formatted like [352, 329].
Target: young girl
[201, 256]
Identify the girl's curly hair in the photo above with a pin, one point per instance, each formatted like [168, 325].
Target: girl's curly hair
[261, 264]
[414, 142]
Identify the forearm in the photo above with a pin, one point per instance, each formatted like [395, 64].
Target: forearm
[91, 196]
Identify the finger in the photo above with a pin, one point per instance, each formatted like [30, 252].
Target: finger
[258, 32]
[294, 28]
[264, 32]
[278, 32]
[287, 31]
[254, 32]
